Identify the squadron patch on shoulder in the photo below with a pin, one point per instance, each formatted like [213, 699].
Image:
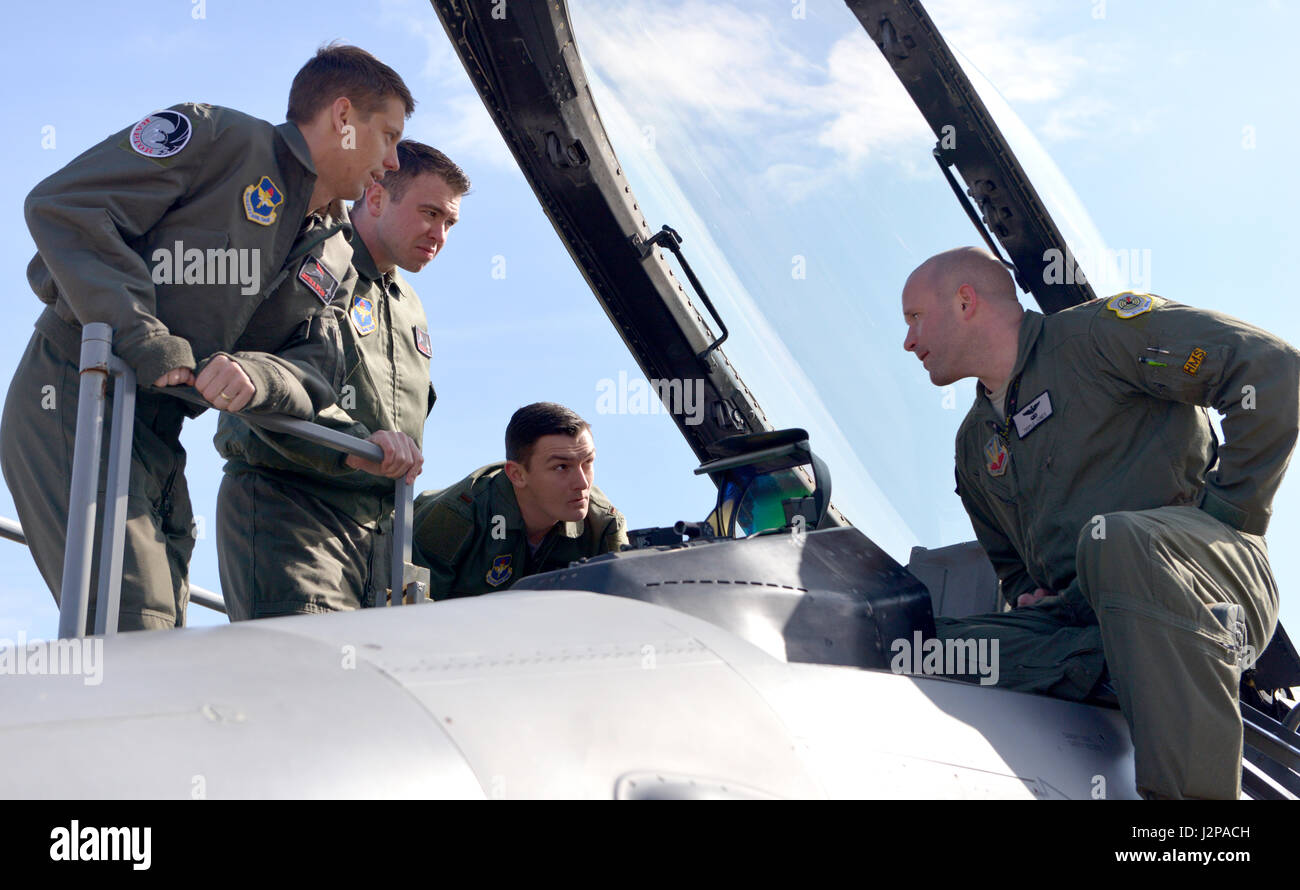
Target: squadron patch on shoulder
[500, 571]
[422, 341]
[1129, 304]
[996, 455]
[260, 201]
[161, 134]
[319, 280]
[363, 315]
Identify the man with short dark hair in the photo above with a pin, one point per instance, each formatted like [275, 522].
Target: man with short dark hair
[301, 528]
[537, 511]
[1116, 524]
[182, 232]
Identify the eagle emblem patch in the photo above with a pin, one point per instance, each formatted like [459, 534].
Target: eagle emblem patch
[363, 315]
[500, 571]
[260, 201]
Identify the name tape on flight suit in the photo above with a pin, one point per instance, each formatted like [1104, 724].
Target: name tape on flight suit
[1193, 363]
[1033, 414]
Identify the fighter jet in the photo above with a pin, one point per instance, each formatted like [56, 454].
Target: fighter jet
[750, 651]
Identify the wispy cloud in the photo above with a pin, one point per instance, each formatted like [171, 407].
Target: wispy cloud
[1062, 83]
[1004, 39]
[868, 110]
[740, 78]
[759, 88]
[1075, 118]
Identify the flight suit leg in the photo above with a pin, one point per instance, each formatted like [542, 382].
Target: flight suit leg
[283, 552]
[1040, 648]
[36, 448]
[1182, 600]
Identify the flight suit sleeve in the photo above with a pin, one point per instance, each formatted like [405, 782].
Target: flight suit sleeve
[1205, 358]
[1007, 563]
[279, 385]
[307, 373]
[441, 536]
[84, 217]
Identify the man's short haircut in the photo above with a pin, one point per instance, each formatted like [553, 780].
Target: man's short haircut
[970, 265]
[417, 159]
[341, 70]
[531, 422]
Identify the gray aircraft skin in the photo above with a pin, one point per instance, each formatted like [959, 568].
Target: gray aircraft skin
[747, 668]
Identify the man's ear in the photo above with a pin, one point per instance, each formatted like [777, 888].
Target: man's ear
[516, 473]
[341, 112]
[968, 298]
[374, 199]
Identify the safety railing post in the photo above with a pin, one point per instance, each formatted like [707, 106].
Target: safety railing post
[406, 578]
[108, 595]
[74, 595]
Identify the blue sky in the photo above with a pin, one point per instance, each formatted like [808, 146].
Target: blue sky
[767, 137]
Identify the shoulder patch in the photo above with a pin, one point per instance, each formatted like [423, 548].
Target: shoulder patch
[319, 280]
[1129, 304]
[161, 134]
[260, 201]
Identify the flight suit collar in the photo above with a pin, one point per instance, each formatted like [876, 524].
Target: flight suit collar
[392, 282]
[336, 214]
[1031, 328]
[363, 262]
[297, 143]
[318, 228]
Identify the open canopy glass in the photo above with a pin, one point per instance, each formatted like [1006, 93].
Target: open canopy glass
[799, 173]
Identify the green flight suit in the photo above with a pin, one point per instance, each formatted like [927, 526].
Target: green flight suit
[298, 530]
[171, 231]
[472, 538]
[1102, 485]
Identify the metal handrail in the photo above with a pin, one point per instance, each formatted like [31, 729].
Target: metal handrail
[200, 596]
[97, 363]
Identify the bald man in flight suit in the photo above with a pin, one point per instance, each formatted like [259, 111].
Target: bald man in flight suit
[1085, 466]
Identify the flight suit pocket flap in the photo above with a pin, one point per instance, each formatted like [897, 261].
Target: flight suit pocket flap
[443, 532]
